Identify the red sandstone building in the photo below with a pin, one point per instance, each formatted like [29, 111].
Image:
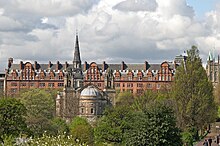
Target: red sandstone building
[134, 78]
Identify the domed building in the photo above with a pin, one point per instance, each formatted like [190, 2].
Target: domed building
[88, 101]
[92, 102]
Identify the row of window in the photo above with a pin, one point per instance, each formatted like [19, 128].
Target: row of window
[33, 77]
[34, 84]
[150, 78]
[149, 85]
[131, 85]
[140, 91]
[85, 111]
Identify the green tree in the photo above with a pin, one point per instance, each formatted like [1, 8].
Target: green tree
[124, 99]
[80, 129]
[40, 106]
[161, 125]
[156, 125]
[193, 94]
[12, 120]
[59, 127]
[112, 125]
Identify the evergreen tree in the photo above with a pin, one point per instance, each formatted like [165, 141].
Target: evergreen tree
[193, 94]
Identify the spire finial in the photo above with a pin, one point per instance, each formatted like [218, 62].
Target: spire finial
[76, 32]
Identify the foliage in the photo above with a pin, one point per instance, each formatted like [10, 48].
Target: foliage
[12, 120]
[161, 125]
[141, 103]
[124, 99]
[137, 133]
[153, 125]
[193, 94]
[80, 129]
[187, 138]
[40, 106]
[112, 126]
[58, 126]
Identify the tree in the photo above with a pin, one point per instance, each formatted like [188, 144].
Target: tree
[124, 99]
[112, 125]
[59, 126]
[40, 106]
[161, 125]
[12, 120]
[193, 94]
[80, 129]
[156, 125]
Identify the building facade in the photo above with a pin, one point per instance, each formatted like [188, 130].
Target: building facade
[134, 78]
[212, 69]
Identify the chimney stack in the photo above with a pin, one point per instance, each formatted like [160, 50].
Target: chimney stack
[35, 65]
[57, 65]
[49, 65]
[146, 65]
[10, 62]
[122, 65]
[103, 66]
[85, 66]
[66, 65]
[21, 65]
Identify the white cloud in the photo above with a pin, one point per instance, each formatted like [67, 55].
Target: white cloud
[136, 5]
[109, 30]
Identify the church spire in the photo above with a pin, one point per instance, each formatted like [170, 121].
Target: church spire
[77, 60]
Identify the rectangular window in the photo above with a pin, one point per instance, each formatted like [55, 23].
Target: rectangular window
[14, 84]
[92, 111]
[158, 86]
[139, 85]
[23, 84]
[129, 85]
[117, 78]
[60, 84]
[42, 85]
[117, 84]
[140, 78]
[51, 84]
[130, 90]
[149, 86]
[99, 84]
[32, 84]
[159, 78]
[82, 110]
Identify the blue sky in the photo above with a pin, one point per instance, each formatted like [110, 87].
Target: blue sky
[202, 6]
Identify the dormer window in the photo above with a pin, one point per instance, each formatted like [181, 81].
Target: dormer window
[139, 78]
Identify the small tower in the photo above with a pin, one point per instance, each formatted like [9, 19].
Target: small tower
[77, 68]
[77, 60]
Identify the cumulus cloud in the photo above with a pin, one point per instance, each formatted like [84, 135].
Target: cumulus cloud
[116, 30]
[136, 5]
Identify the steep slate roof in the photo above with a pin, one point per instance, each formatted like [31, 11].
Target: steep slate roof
[43, 66]
[110, 66]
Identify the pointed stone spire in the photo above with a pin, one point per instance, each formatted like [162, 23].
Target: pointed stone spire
[210, 57]
[77, 60]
